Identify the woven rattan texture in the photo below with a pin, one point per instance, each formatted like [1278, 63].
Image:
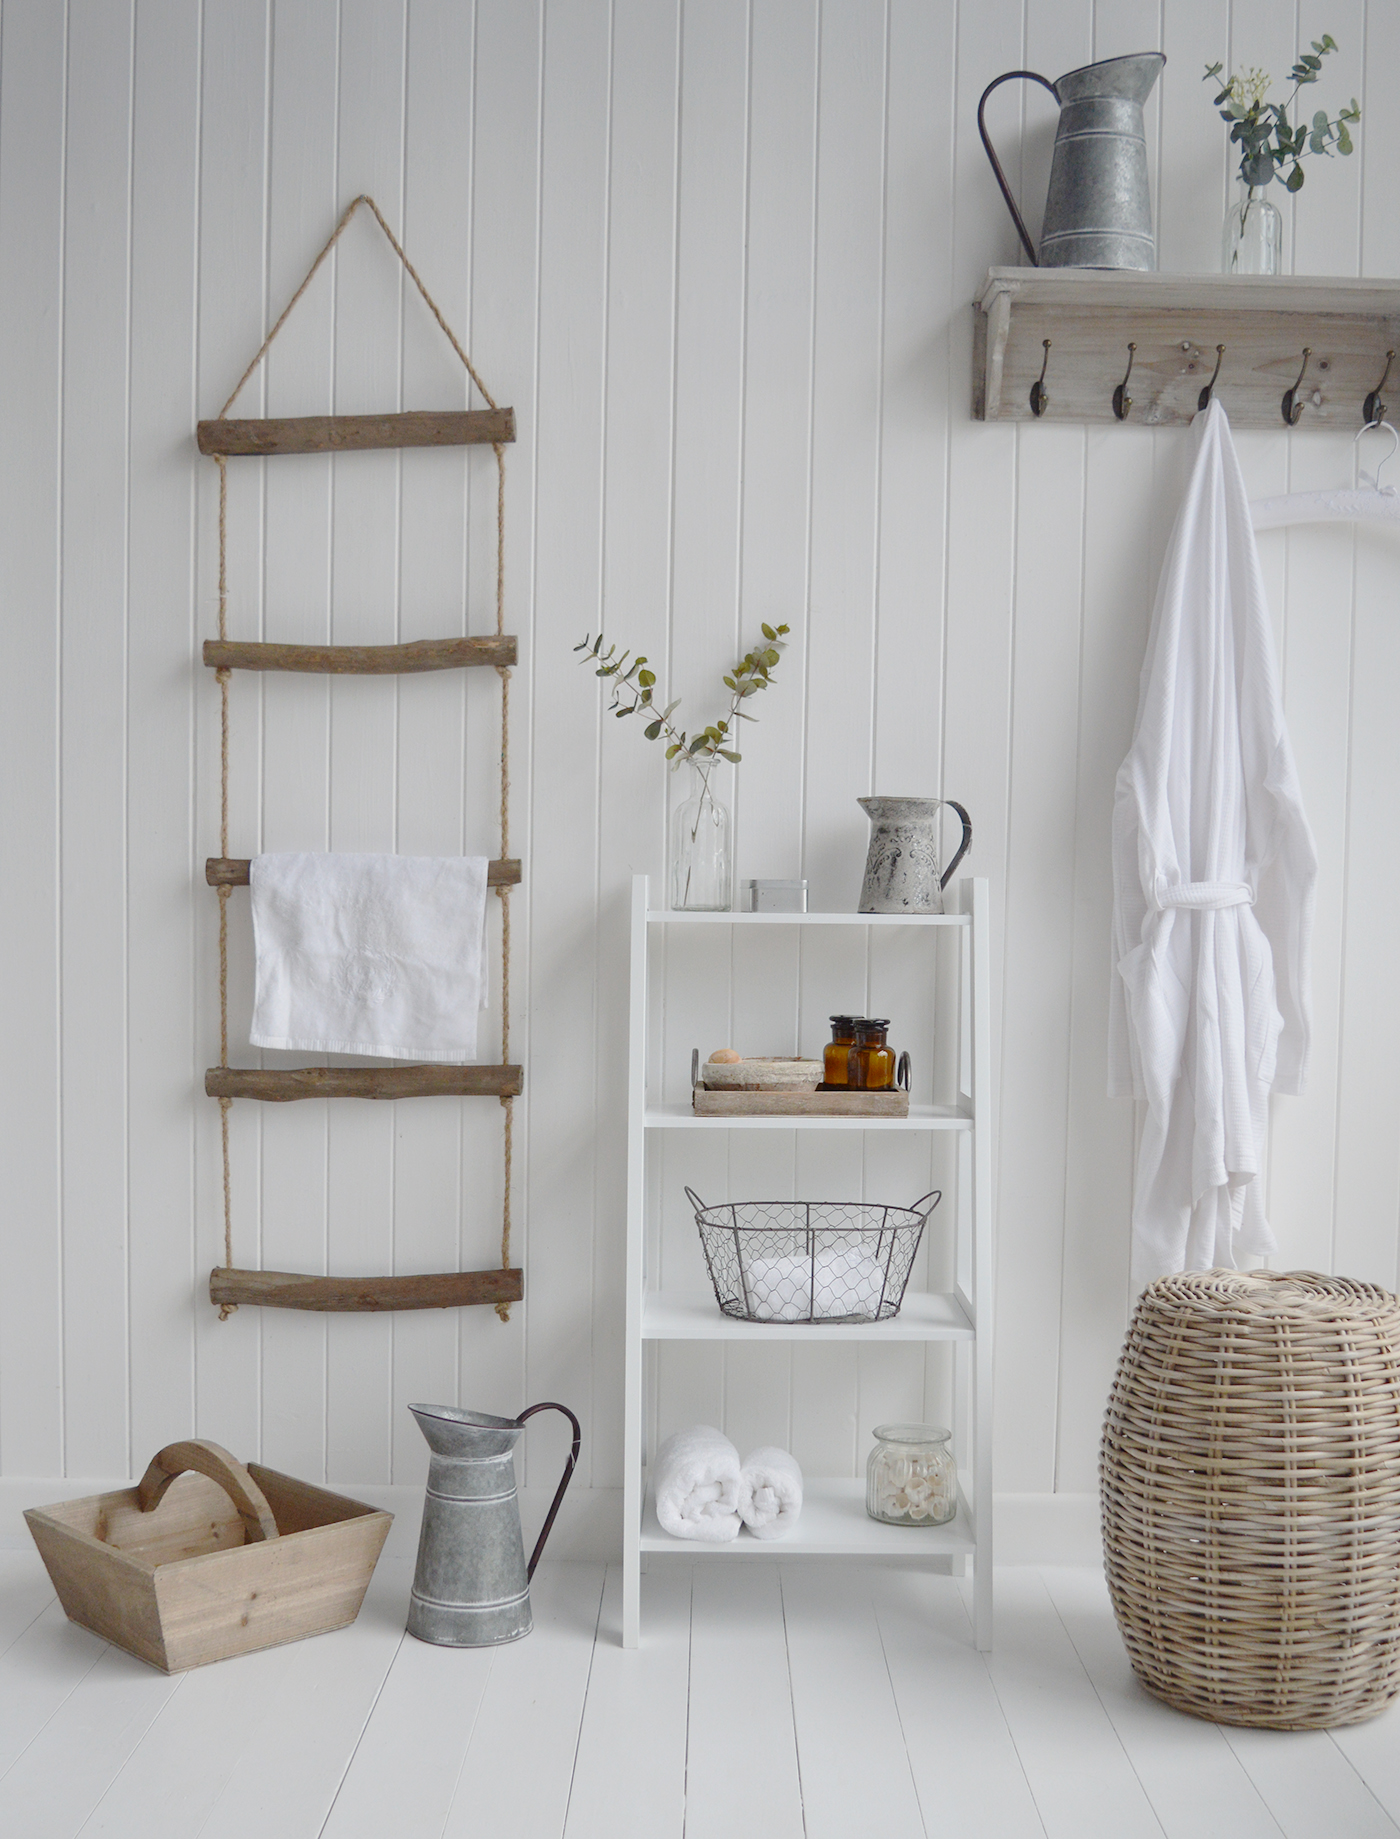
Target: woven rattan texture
[1250, 1480]
[810, 1261]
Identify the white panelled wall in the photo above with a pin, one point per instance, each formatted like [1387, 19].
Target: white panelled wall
[720, 257]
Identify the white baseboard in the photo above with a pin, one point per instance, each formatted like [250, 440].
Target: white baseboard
[1030, 1528]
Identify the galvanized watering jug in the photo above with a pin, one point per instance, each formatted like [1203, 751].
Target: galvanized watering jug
[472, 1584]
[1098, 213]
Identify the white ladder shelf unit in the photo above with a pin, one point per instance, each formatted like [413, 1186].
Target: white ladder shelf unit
[834, 1521]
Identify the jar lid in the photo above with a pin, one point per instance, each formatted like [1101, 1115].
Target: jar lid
[852, 1019]
[911, 1433]
[872, 1021]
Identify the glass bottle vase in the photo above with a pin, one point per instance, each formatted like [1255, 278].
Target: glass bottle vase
[702, 864]
[1252, 241]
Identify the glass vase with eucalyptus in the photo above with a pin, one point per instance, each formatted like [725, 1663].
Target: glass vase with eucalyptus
[1252, 242]
[702, 860]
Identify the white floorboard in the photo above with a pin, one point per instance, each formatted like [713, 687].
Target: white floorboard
[520, 1759]
[964, 1759]
[797, 1699]
[1309, 1785]
[855, 1768]
[630, 1776]
[1084, 1785]
[743, 1746]
[1197, 1786]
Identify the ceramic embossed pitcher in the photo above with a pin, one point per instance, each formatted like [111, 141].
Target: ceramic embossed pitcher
[471, 1587]
[901, 868]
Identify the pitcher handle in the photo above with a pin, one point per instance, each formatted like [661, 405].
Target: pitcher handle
[564, 1479]
[1030, 76]
[963, 847]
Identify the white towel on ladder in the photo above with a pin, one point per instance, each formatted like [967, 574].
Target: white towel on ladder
[365, 954]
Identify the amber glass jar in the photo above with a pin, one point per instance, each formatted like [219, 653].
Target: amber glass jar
[871, 1060]
[836, 1058]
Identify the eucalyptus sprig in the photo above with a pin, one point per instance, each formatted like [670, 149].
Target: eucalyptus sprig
[634, 687]
[1266, 138]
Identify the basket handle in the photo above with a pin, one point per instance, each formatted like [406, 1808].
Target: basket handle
[695, 1201]
[213, 1460]
[934, 1194]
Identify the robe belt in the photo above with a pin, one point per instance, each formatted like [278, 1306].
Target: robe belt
[1198, 894]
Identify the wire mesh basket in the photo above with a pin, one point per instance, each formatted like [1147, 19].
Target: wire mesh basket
[810, 1261]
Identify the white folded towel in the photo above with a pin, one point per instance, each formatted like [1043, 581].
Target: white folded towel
[364, 954]
[770, 1493]
[696, 1483]
[847, 1283]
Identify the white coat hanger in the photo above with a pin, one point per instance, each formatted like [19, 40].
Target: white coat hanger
[1379, 504]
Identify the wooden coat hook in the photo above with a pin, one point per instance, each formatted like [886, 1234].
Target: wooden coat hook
[1121, 402]
[1292, 408]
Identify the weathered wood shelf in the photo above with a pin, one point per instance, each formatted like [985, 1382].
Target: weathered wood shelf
[232, 872]
[1349, 328]
[349, 433]
[431, 1081]
[362, 660]
[290, 1290]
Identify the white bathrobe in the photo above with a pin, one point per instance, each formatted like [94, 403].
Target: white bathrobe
[1214, 882]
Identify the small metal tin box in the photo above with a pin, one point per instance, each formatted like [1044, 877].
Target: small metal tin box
[772, 897]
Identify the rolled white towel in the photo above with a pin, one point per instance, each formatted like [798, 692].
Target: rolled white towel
[848, 1283]
[696, 1483]
[770, 1493]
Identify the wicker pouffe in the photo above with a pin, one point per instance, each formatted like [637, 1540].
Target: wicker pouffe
[1250, 1474]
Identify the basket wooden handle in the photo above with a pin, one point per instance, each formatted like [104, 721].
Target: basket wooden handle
[213, 1460]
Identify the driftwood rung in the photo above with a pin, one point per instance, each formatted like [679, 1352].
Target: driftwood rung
[346, 433]
[232, 872]
[290, 1290]
[362, 660]
[430, 1081]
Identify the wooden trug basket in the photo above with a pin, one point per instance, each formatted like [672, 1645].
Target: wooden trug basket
[228, 1560]
[1250, 1478]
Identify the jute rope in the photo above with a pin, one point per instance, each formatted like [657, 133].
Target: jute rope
[498, 447]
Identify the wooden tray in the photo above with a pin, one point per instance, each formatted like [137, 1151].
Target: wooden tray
[800, 1104]
[231, 1559]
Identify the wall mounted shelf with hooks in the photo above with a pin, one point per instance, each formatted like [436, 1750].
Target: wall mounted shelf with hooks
[1175, 324]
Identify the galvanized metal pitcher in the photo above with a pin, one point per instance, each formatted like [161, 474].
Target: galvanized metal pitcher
[472, 1585]
[1098, 213]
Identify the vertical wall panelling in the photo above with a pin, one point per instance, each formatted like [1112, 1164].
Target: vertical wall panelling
[232, 307]
[366, 491]
[296, 378]
[160, 758]
[980, 549]
[503, 332]
[32, 132]
[719, 258]
[446, 799]
[644, 53]
[562, 1071]
[93, 762]
[1040, 869]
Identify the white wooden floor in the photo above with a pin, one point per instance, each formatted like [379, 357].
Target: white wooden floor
[771, 1700]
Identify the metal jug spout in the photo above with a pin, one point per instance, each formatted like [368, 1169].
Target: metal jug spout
[471, 1586]
[1117, 79]
[1098, 212]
